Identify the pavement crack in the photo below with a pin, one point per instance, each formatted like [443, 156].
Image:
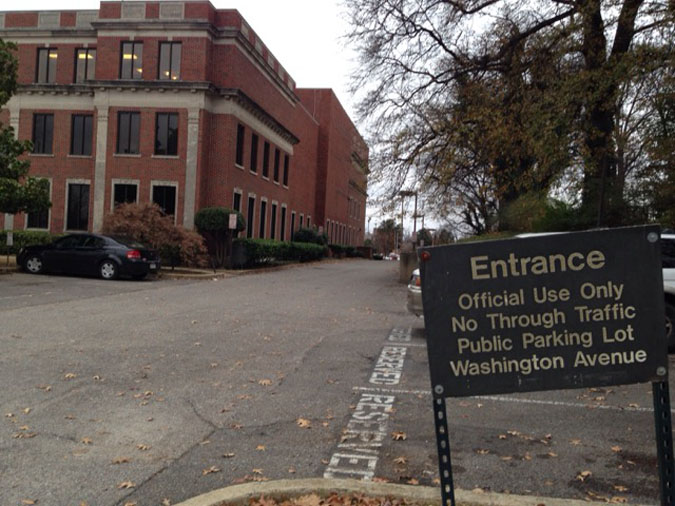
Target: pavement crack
[202, 417]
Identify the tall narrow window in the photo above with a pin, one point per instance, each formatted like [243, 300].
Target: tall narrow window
[128, 132]
[309, 221]
[165, 198]
[131, 63]
[166, 134]
[78, 207]
[236, 201]
[169, 60]
[263, 217]
[254, 153]
[273, 221]
[239, 158]
[46, 65]
[43, 133]
[125, 194]
[85, 64]
[287, 163]
[277, 155]
[81, 134]
[249, 216]
[266, 160]
[302, 219]
[39, 219]
[282, 233]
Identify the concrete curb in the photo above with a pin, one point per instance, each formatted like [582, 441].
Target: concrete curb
[238, 495]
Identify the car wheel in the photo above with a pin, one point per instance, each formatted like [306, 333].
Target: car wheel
[108, 269]
[34, 264]
[670, 321]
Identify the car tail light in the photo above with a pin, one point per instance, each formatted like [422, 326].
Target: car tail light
[418, 281]
[134, 254]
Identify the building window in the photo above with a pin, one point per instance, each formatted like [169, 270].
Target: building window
[81, 134]
[85, 64]
[78, 207]
[165, 198]
[254, 153]
[46, 65]
[169, 60]
[266, 160]
[43, 133]
[236, 201]
[277, 155]
[273, 221]
[39, 219]
[263, 217]
[249, 216]
[282, 234]
[286, 168]
[125, 194]
[309, 221]
[128, 131]
[292, 224]
[166, 134]
[131, 63]
[239, 158]
[302, 220]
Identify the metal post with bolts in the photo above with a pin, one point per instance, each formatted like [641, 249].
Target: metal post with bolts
[443, 443]
[664, 441]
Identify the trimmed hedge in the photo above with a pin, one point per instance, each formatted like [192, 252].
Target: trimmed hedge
[341, 251]
[216, 219]
[261, 251]
[310, 235]
[24, 238]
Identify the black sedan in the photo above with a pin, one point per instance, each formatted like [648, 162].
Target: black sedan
[90, 254]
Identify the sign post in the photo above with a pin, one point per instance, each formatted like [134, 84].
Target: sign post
[557, 311]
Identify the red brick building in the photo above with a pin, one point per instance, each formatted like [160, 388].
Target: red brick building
[182, 104]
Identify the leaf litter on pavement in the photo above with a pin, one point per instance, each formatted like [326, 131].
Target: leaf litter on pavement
[334, 499]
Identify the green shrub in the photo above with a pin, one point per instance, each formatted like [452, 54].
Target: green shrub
[24, 238]
[217, 219]
[310, 235]
[251, 252]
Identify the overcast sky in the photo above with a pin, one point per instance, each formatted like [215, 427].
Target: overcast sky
[304, 35]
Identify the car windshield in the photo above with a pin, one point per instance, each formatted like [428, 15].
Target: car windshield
[129, 243]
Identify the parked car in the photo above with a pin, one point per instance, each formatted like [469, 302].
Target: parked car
[91, 254]
[415, 293]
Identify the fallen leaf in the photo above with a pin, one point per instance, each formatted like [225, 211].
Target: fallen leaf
[28, 501]
[265, 382]
[9, 415]
[210, 470]
[400, 460]
[203, 443]
[583, 475]
[86, 441]
[26, 411]
[620, 488]
[260, 448]
[70, 376]
[166, 502]
[552, 454]
[575, 442]
[143, 447]
[291, 470]
[24, 435]
[618, 500]
[236, 426]
[502, 436]
[257, 471]
[97, 378]
[120, 460]
[228, 455]
[126, 484]
[399, 436]
[413, 481]
[303, 423]
[616, 449]
[478, 491]
[131, 503]
[482, 451]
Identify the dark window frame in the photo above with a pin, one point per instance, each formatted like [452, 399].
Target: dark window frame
[273, 220]
[282, 232]
[266, 160]
[116, 201]
[254, 153]
[39, 220]
[88, 69]
[263, 219]
[135, 66]
[81, 146]
[287, 163]
[131, 135]
[77, 218]
[171, 144]
[50, 69]
[250, 215]
[44, 145]
[163, 188]
[236, 203]
[172, 46]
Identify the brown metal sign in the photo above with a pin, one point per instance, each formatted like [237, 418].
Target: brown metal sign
[547, 312]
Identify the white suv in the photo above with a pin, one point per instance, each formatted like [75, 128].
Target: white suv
[668, 263]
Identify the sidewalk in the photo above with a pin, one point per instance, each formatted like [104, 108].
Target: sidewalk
[239, 495]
